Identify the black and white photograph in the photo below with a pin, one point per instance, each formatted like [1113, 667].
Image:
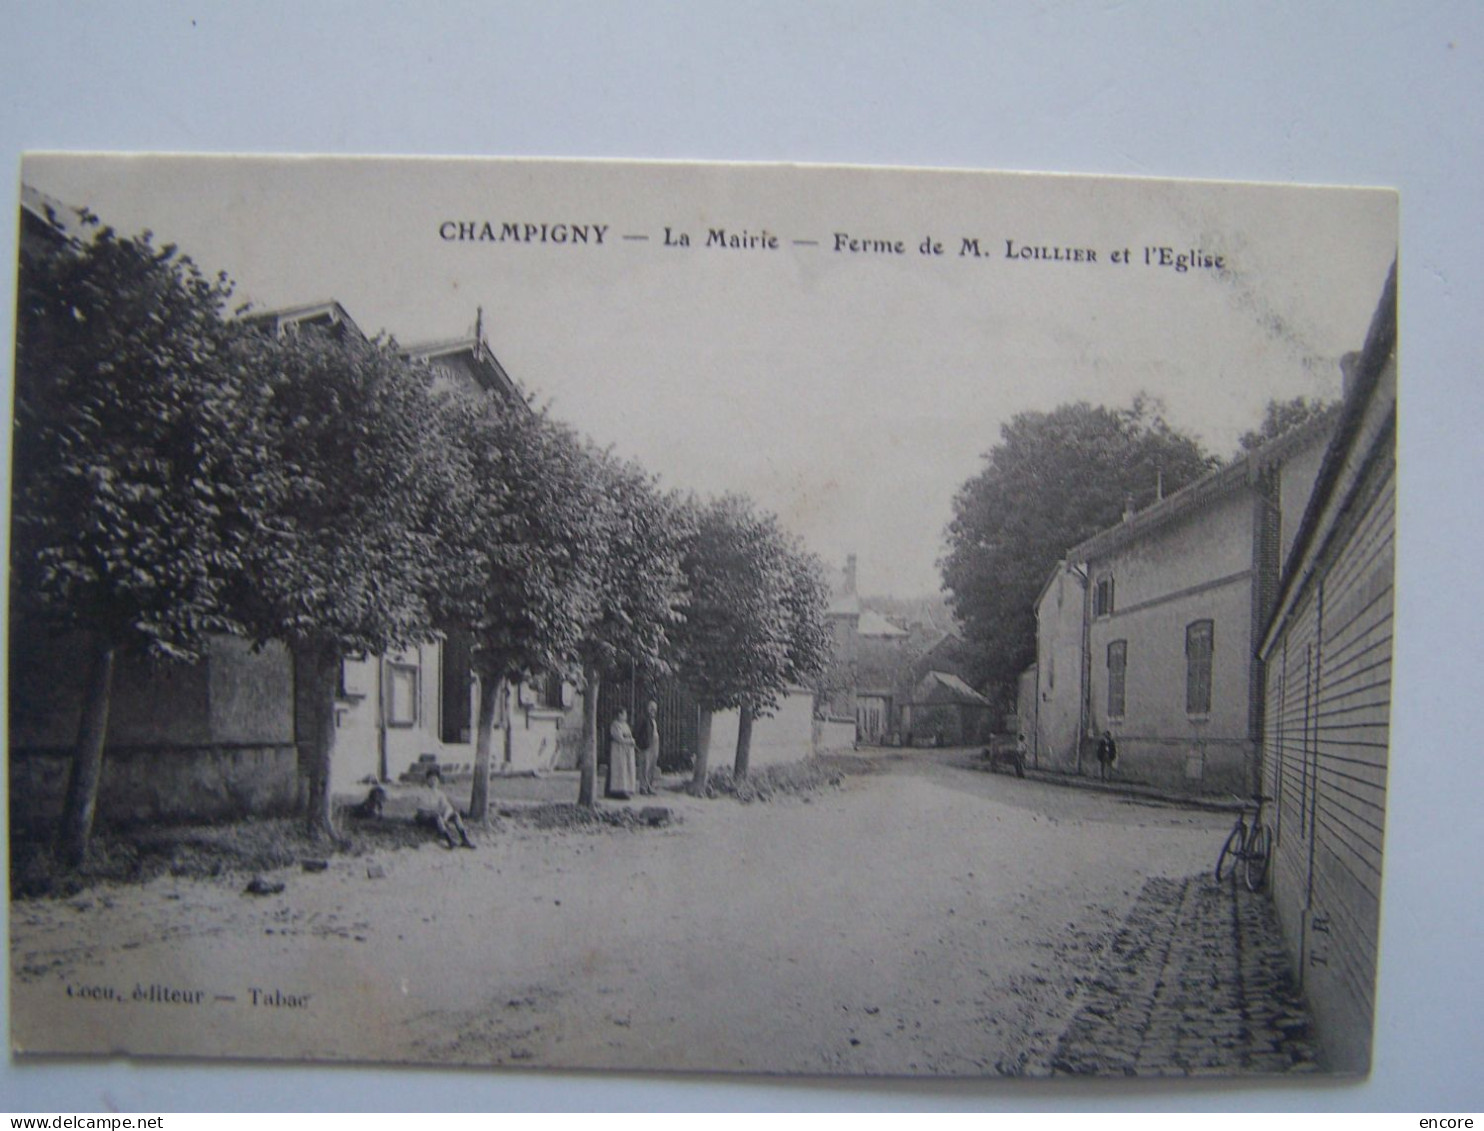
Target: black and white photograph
[673, 617]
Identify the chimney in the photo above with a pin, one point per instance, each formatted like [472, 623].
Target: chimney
[850, 575]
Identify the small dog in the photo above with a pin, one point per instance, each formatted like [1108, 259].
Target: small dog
[371, 808]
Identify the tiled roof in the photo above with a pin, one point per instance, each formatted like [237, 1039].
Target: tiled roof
[478, 352]
[329, 309]
[63, 219]
[874, 624]
[955, 686]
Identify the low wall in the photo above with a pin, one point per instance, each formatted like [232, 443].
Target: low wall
[536, 742]
[171, 785]
[833, 734]
[786, 736]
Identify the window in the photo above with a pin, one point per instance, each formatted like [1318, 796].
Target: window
[1117, 666]
[553, 692]
[357, 676]
[1199, 643]
[401, 695]
[1102, 597]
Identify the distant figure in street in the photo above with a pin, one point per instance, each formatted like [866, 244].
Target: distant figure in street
[620, 758]
[435, 811]
[647, 737]
[1022, 754]
[1107, 755]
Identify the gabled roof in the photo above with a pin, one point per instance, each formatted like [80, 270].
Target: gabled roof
[939, 638]
[945, 683]
[947, 654]
[1377, 356]
[874, 624]
[326, 312]
[1241, 472]
[477, 354]
[844, 605]
[1056, 571]
[50, 215]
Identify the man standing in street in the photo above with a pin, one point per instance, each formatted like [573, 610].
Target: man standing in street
[647, 738]
[1107, 755]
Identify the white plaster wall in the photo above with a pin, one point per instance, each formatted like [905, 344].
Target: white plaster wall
[787, 736]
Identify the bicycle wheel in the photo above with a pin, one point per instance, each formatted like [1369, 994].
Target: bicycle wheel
[1226, 863]
[1259, 852]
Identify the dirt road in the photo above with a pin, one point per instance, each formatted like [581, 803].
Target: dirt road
[927, 919]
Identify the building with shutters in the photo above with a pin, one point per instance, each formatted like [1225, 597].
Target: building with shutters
[396, 713]
[221, 739]
[1149, 629]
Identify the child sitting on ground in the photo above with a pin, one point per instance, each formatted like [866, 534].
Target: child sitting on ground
[436, 811]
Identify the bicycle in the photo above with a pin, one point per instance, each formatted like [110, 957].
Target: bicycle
[1252, 845]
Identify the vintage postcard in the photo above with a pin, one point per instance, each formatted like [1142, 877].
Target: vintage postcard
[676, 617]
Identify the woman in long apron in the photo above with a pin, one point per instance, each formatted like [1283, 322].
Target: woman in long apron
[621, 773]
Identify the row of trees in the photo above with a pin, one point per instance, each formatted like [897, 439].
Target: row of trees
[1055, 479]
[180, 473]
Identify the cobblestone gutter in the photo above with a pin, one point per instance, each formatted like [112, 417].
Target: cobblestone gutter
[1194, 983]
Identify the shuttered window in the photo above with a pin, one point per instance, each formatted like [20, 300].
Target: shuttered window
[1117, 667]
[1199, 641]
[1102, 597]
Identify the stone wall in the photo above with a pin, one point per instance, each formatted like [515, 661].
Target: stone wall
[161, 785]
[207, 741]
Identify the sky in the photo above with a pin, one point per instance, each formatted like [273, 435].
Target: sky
[849, 389]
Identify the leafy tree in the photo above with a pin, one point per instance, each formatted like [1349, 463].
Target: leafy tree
[347, 556]
[754, 622]
[809, 642]
[632, 562]
[134, 497]
[1280, 417]
[517, 555]
[1054, 479]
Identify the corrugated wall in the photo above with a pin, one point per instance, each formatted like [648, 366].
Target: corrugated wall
[1325, 761]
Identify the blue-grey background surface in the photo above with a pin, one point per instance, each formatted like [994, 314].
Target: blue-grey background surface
[1386, 94]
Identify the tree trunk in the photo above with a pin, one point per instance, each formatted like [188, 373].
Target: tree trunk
[508, 698]
[703, 753]
[87, 759]
[744, 743]
[491, 695]
[318, 668]
[588, 787]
